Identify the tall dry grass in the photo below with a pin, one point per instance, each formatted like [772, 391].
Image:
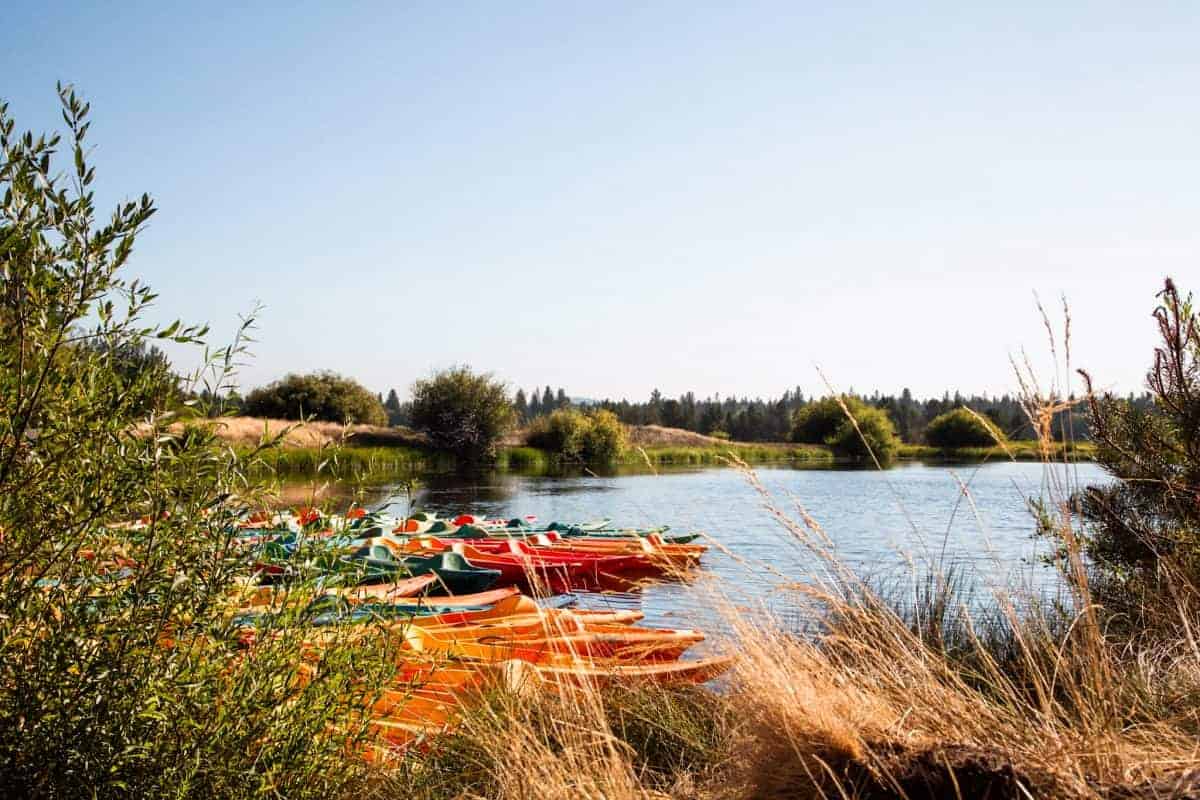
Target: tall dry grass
[926, 695]
[248, 432]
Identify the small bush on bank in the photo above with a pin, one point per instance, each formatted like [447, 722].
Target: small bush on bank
[825, 422]
[961, 428]
[595, 437]
[323, 396]
[463, 411]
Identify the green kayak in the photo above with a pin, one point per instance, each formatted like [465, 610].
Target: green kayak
[455, 574]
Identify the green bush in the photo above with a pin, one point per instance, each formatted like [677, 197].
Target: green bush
[820, 420]
[825, 422]
[604, 440]
[1143, 527]
[120, 675]
[463, 412]
[595, 437]
[319, 395]
[960, 428]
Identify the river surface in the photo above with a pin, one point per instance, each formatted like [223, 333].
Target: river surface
[889, 525]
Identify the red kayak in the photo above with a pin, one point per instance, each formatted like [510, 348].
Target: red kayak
[553, 573]
[597, 564]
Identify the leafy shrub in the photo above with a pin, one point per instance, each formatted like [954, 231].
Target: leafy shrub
[818, 421]
[1145, 525]
[119, 673]
[604, 440]
[560, 432]
[825, 422]
[960, 428]
[319, 395]
[463, 412]
[594, 437]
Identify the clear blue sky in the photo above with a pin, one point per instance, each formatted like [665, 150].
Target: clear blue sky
[612, 197]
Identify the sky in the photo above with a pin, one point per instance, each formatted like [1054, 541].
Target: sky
[617, 197]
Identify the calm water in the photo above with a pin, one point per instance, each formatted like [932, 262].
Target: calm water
[879, 522]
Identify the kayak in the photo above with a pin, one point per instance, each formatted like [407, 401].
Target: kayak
[658, 551]
[600, 673]
[256, 596]
[384, 593]
[532, 642]
[455, 575]
[578, 561]
[513, 569]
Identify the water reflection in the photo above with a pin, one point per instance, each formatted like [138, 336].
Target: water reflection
[914, 519]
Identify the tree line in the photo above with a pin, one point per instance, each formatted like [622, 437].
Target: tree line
[325, 395]
[772, 419]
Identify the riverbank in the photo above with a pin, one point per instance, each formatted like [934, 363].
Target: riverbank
[1009, 451]
[362, 452]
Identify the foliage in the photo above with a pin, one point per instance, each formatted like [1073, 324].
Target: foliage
[397, 412]
[856, 430]
[960, 428]
[346, 462]
[119, 675]
[1145, 526]
[604, 439]
[592, 437]
[319, 395]
[874, 435]
[817, 422]
[462, 411]
[757, 419]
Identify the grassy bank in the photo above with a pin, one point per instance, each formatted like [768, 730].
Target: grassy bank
[764, 453]
[667, 455]
[1016, 450]
[350, 462]
[907, 694]
[346, 463]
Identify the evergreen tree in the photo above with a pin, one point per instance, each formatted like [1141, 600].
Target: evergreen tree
[394, 408]
[535, 405]
[522, 406]
[548, 401]
[561, 400]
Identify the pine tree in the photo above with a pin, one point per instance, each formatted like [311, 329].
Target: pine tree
[547, 400]
[393, 407]
[522, 406]
[561, 400]
[535, 405]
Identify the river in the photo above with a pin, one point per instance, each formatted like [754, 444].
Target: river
[972, 520]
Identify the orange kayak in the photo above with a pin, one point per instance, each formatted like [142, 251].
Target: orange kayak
[534, 642]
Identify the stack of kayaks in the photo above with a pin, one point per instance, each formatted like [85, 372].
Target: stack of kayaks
[451, 592]
[466, 554]
[452, 647]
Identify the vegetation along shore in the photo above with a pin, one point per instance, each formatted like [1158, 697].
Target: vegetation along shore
[164, 632]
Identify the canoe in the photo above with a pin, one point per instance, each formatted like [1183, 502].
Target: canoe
[521, 610]
[596, 564]
[455, 575]
[384, 593]
[640, 553]
[669, 673]
[257, 596]
[513, 569]
[619, 643]
[658, 551]
[540, 558]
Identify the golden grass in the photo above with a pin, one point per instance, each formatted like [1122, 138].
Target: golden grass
[940, 700]
[246, 432]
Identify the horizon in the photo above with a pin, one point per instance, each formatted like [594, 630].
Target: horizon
[618, 200]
